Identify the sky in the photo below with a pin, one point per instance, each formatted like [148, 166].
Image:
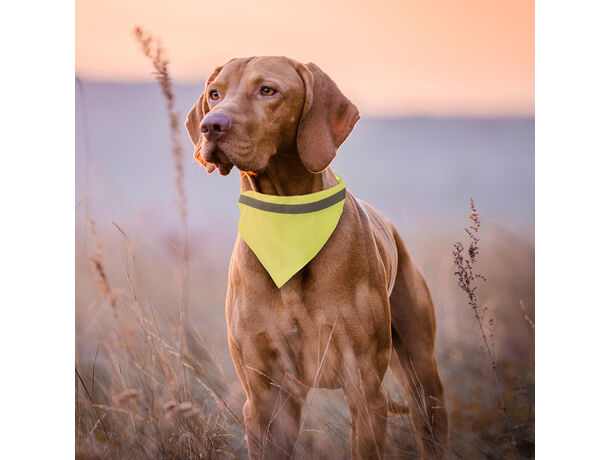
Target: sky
[391, 57]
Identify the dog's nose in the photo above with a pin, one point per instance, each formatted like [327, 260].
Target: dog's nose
[215, 125]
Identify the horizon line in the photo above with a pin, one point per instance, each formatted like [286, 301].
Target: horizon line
[474, 114]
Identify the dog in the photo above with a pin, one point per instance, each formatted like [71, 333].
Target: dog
[357, 308]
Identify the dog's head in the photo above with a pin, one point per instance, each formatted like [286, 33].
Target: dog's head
[253, 108]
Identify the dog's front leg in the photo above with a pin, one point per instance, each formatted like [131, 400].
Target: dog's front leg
[272, 412]
[272, 417]
[368, 410]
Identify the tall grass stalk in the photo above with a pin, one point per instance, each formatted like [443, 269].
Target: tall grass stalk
[154, 51]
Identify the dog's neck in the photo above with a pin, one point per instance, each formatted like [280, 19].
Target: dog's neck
[285, 175]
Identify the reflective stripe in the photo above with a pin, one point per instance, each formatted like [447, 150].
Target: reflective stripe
[293, 208]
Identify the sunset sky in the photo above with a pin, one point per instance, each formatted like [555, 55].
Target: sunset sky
[391, 57]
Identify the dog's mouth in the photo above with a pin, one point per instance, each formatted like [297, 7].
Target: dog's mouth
[213, 157]
[218, 154]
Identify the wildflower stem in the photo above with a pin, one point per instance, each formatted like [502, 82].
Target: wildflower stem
[466, 276]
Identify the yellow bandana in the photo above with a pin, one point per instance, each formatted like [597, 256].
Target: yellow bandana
[286, 232]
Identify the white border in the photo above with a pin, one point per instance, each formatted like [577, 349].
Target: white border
[572, 256]
[37, 236]
[37, 239]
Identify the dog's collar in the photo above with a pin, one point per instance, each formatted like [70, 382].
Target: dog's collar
[295, 204]
[286, 232]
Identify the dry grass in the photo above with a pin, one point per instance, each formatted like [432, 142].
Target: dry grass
[128, 358]
[130, 396]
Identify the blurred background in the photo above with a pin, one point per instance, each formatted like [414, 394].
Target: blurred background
[446, 93]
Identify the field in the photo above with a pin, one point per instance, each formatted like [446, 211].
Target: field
[135, 400]
[154, 377]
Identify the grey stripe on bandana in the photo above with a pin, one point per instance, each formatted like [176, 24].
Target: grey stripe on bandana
[293, 208]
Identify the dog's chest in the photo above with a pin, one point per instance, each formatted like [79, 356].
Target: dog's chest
[297, 334]
[283, 314]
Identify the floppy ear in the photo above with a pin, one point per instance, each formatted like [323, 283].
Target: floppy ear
[194, 117]
[327, 119]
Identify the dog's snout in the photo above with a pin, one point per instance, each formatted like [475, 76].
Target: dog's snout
[214, 125]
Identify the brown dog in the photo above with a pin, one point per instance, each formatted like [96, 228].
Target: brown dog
[359, 306]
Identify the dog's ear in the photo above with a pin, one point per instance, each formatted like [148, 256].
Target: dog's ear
[194, 117]
[193, 120]
[327, 118]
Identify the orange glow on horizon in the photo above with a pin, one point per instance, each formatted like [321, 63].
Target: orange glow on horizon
[394, 57]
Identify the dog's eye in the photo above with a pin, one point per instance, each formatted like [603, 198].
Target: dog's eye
[214, 95]
[266, 91]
